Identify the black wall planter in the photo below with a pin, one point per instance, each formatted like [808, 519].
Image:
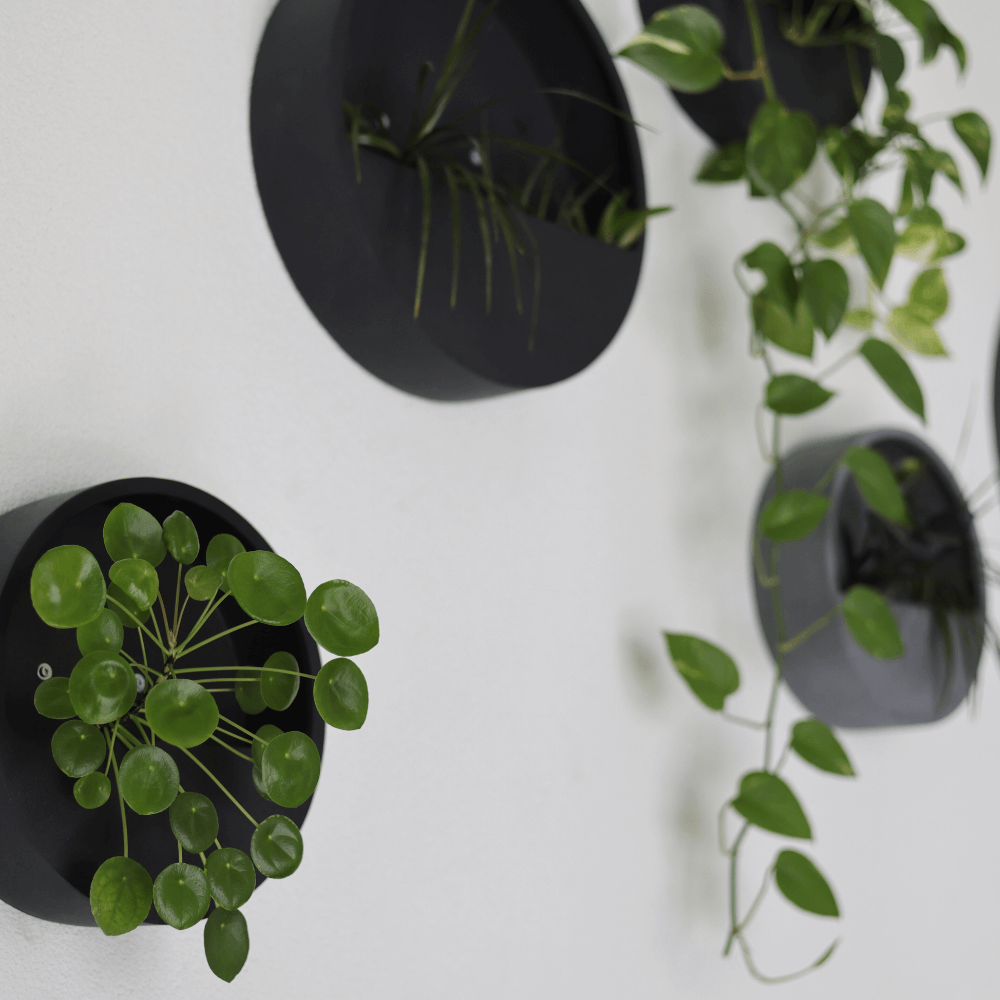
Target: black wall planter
[52, 847]
[829, 673]
[352, 249]
[816, 79]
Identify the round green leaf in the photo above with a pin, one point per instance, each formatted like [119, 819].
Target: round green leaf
[227, 943]
[792, 395]
[825, 288]
[248, 692]
[181, 712]
[890, 366]
[877, 484]
[102, 688]
[52, 699]
[181, 896]
[202, 582]
[258, 783]
[231, 878]
[276, 847]
[341, 694]
[78, 748]
[815, 743]
[138, 579]
[133, 533]
[792, 515]
[279, 689]
[67, 587]
[92, 790]
[342, 618]
[125, 609]
[181, 538]
[766, 801]
[801, 883]
[194, 821]
[290, 769]
[267, 587]
[780, 146]
[149, 779]
[265, 734]
[709, 672]
[219, 554]
[871, 622]
[121, 894]
[104, 634]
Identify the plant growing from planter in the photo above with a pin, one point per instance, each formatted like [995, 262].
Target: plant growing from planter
[146, 701]
[890, 534]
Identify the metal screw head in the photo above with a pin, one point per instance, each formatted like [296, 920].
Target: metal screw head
[140, 682]
[386, 122]
[475, 157]
[44, 671]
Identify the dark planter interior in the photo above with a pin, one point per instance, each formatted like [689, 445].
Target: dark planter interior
[352, 249]
[52, 846]
[815, 79]
[932, 578]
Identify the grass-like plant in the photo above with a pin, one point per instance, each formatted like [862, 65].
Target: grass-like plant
[803, 290]
[148, 704]
[445, 152]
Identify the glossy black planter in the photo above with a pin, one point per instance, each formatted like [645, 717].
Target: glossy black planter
[352, 249]
[814, 79]
[829, 673]
[51, 846]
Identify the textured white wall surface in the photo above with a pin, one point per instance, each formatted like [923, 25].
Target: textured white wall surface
[530, 809]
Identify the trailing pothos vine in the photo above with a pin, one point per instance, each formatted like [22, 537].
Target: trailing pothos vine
[805, 290]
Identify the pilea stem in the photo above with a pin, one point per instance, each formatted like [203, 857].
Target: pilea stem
[231, 749]
[229, 795]
[229, 631]
[121, 798]
[138, 623]
[274, 670]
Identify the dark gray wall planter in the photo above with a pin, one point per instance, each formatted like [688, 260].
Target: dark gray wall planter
[829, 673]
[352, 249]
[52, 847]
[815, 79]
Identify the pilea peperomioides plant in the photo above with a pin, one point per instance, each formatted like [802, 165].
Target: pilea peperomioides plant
[805, 290]
[148, 705]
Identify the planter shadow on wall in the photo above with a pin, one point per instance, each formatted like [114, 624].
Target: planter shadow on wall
[830, 673]
[352, 249]
[814, 79]
[52, 847]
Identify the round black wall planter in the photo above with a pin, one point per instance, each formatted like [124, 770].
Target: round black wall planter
[829, 673]
[814, 79]
[52, 847]
[352, 249]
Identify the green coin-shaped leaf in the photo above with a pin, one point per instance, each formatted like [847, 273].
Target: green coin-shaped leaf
[814, 742]
[279, 689]
[202, 582]
[104, 634]
[52, 699]
[181, 538]
[67, 587]
[258, 783]
[133, 533]
[102, 688]
[219, 554]
[149, 779]
[342, 618]
[267, 587]
[801, 883]
[78, 749]
[92, 790]
[181, 896]
[780, 146]
[276, 847]
[871, 622]
[709, 672]
[290, 769]
[227, 943]
[138, 579]
[248, 693]
[793, 515]
[121, 894]
[265, 734]
[341, 694]
[766, 801]
[181, 712]
[792, 395]
[194, 821]
[890, 366]
[125, 609]
[231, 878]
[877, 484]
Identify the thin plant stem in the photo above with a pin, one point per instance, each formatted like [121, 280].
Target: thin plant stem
[274, 670]
[138, 623]
[180, 853]
[236, 725]
[806, 633]
[220, 635]
[177, 603]
[740, 721]
[114, 737]
[121, 798]
[759, 51]
[210, 608]
[231, 749]
[166, 618]
[232, 798]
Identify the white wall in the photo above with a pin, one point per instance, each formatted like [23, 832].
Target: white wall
[530, 809]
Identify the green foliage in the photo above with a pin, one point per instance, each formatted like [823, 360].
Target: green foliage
[121, 894]
[766, 801]
[149, 779]
[276, 847]
[92, 790]
[815, 743]
[52, 699]
[220, 552]
[133, 533]
[78, 748]
[709, 671]
[181, 538]
[342, 618]
[792, 395]
[194, 821]
[825, 288]
[102, 688]
[227, 943]
[67, 587]
[877, 484]
[231, 878]
[892, 368]
[792, 515]
[267, 587]
[181, 896]
[290, 769]
[872, 623]
[249, 694]
[264, 735]
[341, 694]
[725, 165]
[104, 634]
[181, 712]
[801, 883]
[202, 583]
[136, 578]
[279, 682]
[874, 231]
[780, 147]
[972, 129]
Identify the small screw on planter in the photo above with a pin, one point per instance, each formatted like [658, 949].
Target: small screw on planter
[140, 682]
[44, 671]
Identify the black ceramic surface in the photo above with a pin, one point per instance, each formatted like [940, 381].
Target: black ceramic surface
[352, 249]
[830, 673]
[815, 79]
[52, 846]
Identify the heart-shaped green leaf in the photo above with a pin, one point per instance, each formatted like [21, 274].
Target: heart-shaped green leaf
[121, 894]
[149, 779]
[341, 694]
[138, 579]
[276, 847]
[877, 484]
[181, 712]
[227, 943]
[125, 609]
[341, 618]
[267, 587]
[709, 672]
[279, 689]
[290, 769]
[219, 554]
[181, 538]
[202, 582]
[890, 366]
[766, 801]
[265, 734]
[915, 333]
[194, 821]
[181, 896]
[231, 878]
[825, 288]
[92, 790]
[872, 623]
[724, 165]
[78, 748]
[792, 395]
[67, 587]
[105, 634]
[133, 533]
[875, 233]
[52, 699]
[102, 688]
[773, 263]
[801, 883]
[815, 743]
[793, 333]
[975, 133]
[248, 692]
[793, 515]
[780, 147]
[890, 58]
